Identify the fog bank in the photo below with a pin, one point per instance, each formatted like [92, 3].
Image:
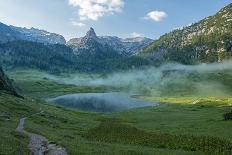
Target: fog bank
[170, 79]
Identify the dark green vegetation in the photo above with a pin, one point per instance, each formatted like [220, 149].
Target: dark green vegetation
[206, 41]
[111, 130]
[228, 116]
[60, 58]
[6, 84]
[24, 54]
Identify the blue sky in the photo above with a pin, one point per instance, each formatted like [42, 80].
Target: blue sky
[123, 18]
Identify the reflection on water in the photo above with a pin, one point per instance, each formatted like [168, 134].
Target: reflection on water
[100, 102]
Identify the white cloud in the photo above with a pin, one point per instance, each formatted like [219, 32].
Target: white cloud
[79, 24]
[93, 9]
[156, 16]
[135, 35]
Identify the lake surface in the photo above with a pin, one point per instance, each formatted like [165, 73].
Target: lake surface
[100, 102]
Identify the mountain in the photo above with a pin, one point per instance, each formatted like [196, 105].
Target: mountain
[39, 49]
[54, 58]
[60, 58]
[6, 84]
[209, 40]
[95, 56]
[89, 49]
[128, 46]
[89, 42]
[12, 33]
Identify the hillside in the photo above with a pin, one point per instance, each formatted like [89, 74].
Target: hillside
[177, 127]
[6, 84]
[209, 40]
[60, 58]
[24, 54]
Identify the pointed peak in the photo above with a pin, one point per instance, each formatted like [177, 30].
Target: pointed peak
[91, 29]
[91, 34]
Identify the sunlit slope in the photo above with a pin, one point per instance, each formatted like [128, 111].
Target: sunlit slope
[207, 41]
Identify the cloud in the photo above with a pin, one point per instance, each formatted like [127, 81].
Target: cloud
[135, 35]
[94, 9]
[156, 16]
[79, 24]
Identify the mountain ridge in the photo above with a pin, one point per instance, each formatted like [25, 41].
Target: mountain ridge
[128, 46]
[13, 33]
[208, 40]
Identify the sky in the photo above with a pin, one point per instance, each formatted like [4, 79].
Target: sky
[122, 18]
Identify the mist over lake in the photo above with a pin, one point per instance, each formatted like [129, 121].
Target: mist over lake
[171, 79]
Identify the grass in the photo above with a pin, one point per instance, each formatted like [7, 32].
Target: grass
[180, 125]
[43, 88]
[12, 142]
[201, 119]
[36, 84]
[190, 100]
[168, 129]
[112, 130]
[66, 127]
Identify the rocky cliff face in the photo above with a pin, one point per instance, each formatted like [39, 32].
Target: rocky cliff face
[129, 46]
[12, 33]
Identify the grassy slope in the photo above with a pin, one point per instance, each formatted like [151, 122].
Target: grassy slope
[205, 117]
[84, 133]
[11, 109]
[64, 126]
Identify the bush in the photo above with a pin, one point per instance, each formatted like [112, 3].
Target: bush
[228, 116]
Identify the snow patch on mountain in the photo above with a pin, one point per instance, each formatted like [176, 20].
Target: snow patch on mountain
[12, 33]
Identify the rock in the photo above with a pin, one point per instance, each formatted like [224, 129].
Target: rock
[6, 84]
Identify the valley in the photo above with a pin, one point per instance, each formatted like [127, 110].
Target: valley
[103, 95]
[191, 119]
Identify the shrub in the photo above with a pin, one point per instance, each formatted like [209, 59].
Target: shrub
[228, 116]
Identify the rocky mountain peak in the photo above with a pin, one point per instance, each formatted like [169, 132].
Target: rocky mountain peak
[128, 46]
[91, 34]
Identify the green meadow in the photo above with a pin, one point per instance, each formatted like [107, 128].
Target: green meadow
[179, 125]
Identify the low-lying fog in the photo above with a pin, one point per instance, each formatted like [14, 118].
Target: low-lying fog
[167, 80]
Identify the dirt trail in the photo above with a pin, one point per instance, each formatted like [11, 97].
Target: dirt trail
[38, 144]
